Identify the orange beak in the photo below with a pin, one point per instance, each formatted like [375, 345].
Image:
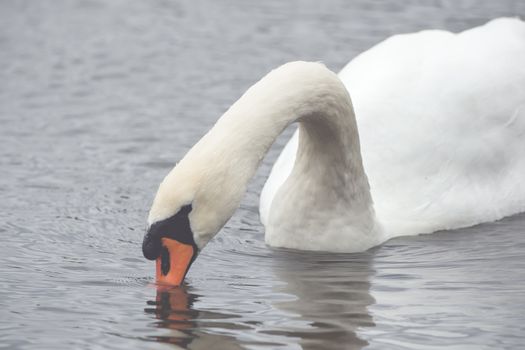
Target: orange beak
[174, 261]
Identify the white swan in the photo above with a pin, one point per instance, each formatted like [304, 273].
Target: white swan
[442, 124]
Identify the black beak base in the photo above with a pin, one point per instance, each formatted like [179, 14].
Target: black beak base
[176, 227]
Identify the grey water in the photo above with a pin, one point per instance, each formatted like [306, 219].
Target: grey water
[99, 99]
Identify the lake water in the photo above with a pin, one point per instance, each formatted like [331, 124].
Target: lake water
[99, 99]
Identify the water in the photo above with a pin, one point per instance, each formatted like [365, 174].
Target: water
[98, 99]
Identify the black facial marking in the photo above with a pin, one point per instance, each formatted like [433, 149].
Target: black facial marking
[176, 227]
[165, 261]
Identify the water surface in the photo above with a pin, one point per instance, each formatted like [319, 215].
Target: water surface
[98, 100]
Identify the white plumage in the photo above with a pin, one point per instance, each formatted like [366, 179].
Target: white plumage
[441, 119]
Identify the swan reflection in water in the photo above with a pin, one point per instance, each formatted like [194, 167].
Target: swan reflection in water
[173, 307]
[321, 300]
[332, 295]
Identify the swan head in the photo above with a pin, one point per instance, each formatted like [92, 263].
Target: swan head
[192, 204]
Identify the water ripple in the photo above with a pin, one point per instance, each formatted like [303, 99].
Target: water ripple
[99, 99]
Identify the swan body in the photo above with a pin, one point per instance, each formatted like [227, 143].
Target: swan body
[441, 144]
[441, 118]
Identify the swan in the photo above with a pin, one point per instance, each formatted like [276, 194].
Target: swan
[441, 145]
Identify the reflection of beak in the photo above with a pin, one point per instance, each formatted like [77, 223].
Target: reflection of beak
[174, 261]
[173, 304]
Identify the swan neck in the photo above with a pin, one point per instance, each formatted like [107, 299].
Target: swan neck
[221, 164]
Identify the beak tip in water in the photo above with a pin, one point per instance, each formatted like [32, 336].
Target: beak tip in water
[173, 262]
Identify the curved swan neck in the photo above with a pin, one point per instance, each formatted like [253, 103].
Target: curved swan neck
[302, 92]
[215, 172]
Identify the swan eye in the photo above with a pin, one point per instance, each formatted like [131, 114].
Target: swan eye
[176, 227]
